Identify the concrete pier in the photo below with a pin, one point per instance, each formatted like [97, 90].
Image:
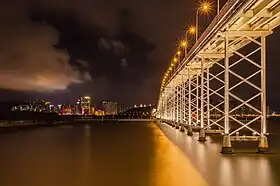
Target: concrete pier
[226, 145]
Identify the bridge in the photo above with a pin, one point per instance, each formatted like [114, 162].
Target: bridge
[222, 74]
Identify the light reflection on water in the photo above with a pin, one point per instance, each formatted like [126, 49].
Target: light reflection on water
[171, 166]
[127, 154]
[226, 172]
[134, 154]
[240, 169]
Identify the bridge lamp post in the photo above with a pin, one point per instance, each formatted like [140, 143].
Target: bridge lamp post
[205, 7]
[184, 45]
[175, 60]
[191, 30]
[178, 54]
[171, 66]
[165, 78]
[167, 74]
[170, 70]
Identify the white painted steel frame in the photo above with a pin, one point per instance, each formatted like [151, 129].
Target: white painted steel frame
[185, 98]
[261, 91]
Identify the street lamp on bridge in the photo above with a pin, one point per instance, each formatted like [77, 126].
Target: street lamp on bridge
[178, 54]
[184, 45]
[205, 8]
[175, 60]
[191, 30]
[164, 80]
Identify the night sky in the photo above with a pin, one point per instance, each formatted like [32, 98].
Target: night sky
[108, 49]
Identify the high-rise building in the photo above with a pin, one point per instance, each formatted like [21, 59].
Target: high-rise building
[92, 110]
[110, 108]
[85, 105]
[78, 109]
[67, 110]
[122, 108]
[39, 105]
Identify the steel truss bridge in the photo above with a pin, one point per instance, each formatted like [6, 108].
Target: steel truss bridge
[217, 81]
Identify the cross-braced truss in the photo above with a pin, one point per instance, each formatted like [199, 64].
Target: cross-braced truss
[218, 85]
[245, 95]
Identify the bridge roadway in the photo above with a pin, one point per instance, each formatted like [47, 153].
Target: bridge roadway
[222, 75]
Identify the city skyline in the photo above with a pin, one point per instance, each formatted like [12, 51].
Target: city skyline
[82, 106]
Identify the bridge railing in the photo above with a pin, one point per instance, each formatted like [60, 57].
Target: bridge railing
[228, 9]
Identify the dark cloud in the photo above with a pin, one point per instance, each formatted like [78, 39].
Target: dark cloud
[122, 58]
[124, 63]
[28, 59]
[115, 46]
[84, 64]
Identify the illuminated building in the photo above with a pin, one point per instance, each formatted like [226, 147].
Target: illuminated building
[21, 107]
[92, 110]
[67, 110]
[54, 108]
[122, 108]
[51, 107]
[110, 108]
[85, 103]
[78, 109]
[39, 106]
[99, 113]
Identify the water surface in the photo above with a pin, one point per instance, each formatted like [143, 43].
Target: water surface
[131, 154]
[118, 154]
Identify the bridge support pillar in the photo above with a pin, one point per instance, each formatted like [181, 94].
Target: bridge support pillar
[226, 145]
[202, 137]
[197, 99]
[172, 103]
[208, 97]
[182, 129]
[263, 145]
[177, 105]
[190, 132]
